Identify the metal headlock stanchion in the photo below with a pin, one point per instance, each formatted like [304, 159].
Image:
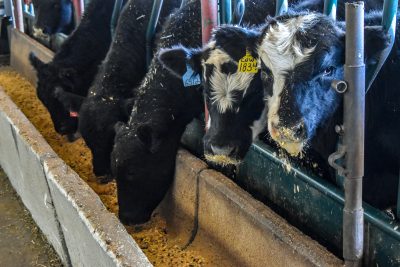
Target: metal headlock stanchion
[281, 7]
[79, 7]
[151, 29]
[238, 7]
[209, 20]
[389, 25]
[226, 11]
[354, 122]
[330, 7]
[115, 15]
[19, 19]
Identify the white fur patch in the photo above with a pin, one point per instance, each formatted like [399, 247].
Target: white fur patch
[224, 85]
[281, 52]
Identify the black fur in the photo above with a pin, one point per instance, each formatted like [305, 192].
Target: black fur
[123, 69]
[75, 65]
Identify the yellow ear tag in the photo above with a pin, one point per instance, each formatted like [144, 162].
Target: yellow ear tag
[248, 63]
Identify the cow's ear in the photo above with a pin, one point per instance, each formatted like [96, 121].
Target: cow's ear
[36, 62]
[177, 58]
[375, 40]
[236, 40]
[148, 137]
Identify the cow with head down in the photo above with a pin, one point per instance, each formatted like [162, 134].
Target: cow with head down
[74, 66]
[53, 16]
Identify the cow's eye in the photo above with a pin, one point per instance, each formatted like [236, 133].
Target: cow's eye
[328, 71]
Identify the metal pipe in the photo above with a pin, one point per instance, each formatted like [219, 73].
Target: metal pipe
[330, 7]
[78, 10]
[151, 29]
[116, 12]
[209, 20]
[389, 25]
[281, 7]
[19, 16]
[398, 199]
[226, 11]
[354, 122]
[238, 11]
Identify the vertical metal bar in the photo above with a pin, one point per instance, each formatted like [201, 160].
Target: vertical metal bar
[389, 25]
[151, 28]
[238, 11]
[209, 20]
[330, 7]
[19, 16]
[226, 11]
[354, 121]
[398, 199]
[281, 7]
[116, 12]
[78, 10]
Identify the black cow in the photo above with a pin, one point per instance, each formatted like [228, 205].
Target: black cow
[53, 16]
[75, 65]
[123, 69]
[303, 109]
[143, 158]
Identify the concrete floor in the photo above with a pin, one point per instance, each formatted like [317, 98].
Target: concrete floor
[21, 242]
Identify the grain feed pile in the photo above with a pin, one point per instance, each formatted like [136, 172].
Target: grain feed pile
[152, 237]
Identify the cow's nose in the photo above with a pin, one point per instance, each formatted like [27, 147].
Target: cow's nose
[224, 150]
[299, 131]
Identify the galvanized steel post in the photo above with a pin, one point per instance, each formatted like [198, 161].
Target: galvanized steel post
[281, 7]
[330, 7]
[115, 16]
[151, 28]
[354, 121]
[19, 20]
[226, 11]
[78, 8]
[209, 20]
[238, 11]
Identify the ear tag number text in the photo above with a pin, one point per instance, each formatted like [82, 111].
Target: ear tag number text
[190, 78]
[248, 64]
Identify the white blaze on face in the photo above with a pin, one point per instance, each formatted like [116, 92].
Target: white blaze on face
[224, 85]
[281, 52]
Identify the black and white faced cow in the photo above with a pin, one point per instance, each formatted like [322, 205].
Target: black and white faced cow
[234, 97]
[53, 16]
[304, 53]
[75, 65]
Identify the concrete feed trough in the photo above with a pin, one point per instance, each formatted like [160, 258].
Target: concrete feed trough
[227, 224]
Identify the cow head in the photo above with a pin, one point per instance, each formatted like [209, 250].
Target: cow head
[235, 99]
[143, 162]
[52, 16]
[305, 53]
[50, 81]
